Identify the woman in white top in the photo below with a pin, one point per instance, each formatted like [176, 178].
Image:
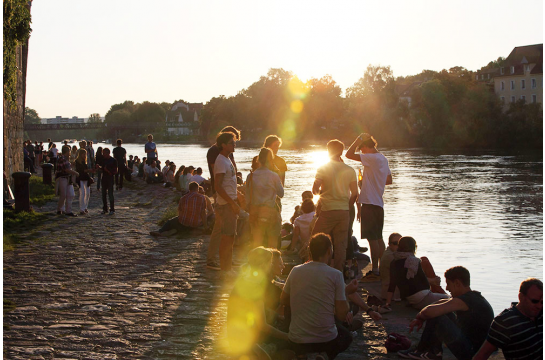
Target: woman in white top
[301, 231]
[262, 188]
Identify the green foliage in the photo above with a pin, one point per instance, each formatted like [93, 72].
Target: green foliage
[21, 221]
[31, 116]
[172, 211]
[16, 30]
[94, 118]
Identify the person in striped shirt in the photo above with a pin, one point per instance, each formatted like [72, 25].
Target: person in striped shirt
[518, 330]
[191, 214]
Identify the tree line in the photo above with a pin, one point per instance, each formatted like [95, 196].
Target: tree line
[444, 109]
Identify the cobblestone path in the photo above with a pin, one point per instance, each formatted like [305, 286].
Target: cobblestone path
[99, 287]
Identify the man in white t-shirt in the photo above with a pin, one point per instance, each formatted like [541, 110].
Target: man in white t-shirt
[317, 296]
[197, 177]
[376, 175]
[225, 182]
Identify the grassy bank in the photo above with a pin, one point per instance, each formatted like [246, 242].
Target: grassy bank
[40, 193]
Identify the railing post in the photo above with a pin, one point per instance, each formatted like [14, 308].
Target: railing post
[22, 190]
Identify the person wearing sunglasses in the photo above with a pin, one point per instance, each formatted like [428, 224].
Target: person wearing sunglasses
[518, 330]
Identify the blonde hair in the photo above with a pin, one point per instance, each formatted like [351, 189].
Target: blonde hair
[78, 158]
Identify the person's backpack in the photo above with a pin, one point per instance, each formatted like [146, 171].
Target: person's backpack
[396, 342]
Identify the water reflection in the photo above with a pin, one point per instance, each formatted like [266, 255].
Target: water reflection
[482, 210]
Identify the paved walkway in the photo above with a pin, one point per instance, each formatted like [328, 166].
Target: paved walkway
[99, 287]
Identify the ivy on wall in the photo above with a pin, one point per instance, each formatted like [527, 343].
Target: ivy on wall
[16, 31]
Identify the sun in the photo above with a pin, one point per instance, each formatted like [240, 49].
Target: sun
[319, 158]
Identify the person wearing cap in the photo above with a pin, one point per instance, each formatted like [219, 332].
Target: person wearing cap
[376, 176]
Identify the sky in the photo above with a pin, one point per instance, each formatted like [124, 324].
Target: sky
[85, 56]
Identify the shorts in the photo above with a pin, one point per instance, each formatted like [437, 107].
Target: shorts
[372, 222]
[226, 219]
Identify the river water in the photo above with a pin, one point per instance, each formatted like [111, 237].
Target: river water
[482, 210]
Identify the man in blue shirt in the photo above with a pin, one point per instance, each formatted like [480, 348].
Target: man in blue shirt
[151, 150]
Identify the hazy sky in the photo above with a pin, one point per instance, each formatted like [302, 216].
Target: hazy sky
[85, 56]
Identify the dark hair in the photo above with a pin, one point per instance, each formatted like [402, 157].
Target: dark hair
[288, 227]
[391, 238]
[255, 163]
[199, 170]
[370, 143]
[271, 139]
[233, 130]
[105, 150]
[224, 138]
[319, 244]
[335, 148]
[407, 244]
[99, 151]
[66, 150]
[264, 155]
[307, 206]
[458, 273]
[119, 141]
[193, 186]
[307, 194]
[528, 283]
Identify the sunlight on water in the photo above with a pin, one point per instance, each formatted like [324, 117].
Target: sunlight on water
[483, 211]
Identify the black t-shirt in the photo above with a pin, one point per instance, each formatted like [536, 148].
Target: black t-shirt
[407, 287]
[475, 322]
[80, 168]
[110, 165]
[120, 155]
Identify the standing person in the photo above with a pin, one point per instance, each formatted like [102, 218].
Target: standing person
[151, 150]
[120, 155]
[83, 181]
[41, 153]
[109, 169]
[518, 330]
[376, 175]
[262, 189]
[31, 154]
[53, 152]
[227, 209]
[336, 183]
[73, 155]
[99, 163]
[36, 153]
[274, 143]
[461, 322]
[214, 151]
[90, 156]
[50, 144]
[63, 182]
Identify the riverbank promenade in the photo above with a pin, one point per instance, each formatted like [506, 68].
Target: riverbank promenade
[100, 287]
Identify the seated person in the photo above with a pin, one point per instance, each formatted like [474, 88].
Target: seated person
[191, 214]
[298, 212]
[210, 214]
[153, 174]
[240, 181]
[406, 273]
[197, 176]
[317, 296]
[384, 266]
[185, 179]
[165, 168]
[169, 175]
[301, 232]
[362, 259]
[247, 301]
[461, 322]
[141, 168]
[518, 330]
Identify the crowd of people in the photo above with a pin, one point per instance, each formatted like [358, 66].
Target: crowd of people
[315, 309]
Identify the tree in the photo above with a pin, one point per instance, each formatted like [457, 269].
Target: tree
[94, 118]
[375, 79]
[31, 116]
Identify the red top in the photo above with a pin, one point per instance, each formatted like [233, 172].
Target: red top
[190, 208]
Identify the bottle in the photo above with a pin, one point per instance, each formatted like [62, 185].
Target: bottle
[360, 177]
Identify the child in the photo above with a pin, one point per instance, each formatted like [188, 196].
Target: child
[298, 212]
[301, 232]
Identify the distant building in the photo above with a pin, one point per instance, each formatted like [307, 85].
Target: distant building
[61, 120]
[183, 119]
[521, 77]
[487, 76]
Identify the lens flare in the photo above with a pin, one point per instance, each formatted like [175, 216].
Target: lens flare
[297, 106]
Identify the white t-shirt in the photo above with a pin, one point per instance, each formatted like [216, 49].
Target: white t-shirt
[147, 169]
[198, 179]
[375, 173]
[313, 288]
[54, 150]
[303, 221]
[223, 165]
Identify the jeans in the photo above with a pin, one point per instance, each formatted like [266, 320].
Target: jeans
[332, 348]
[109, 188]
[99, 178]
[119, 176]
[84, 193]
[174, 224]
[444, 329]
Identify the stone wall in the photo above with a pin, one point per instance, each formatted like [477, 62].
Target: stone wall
[13, 120]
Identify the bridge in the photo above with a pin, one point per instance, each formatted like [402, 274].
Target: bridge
[101, 125]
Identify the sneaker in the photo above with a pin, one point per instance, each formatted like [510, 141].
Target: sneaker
[59, 212]
[71, 214]
[86, 211]
[427, 355]
[112, 212]
[104, 212]
[155, 233]
[213, 266]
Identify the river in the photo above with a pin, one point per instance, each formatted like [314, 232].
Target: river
[482, 210]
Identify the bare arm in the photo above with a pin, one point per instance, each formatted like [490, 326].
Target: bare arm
[285, 299]
[353, 192]
[341, 309]
[485, 351]
[442, 308]
[295, 237]
[221, 192]
[389, 180]
[351, 152]
[316, 187]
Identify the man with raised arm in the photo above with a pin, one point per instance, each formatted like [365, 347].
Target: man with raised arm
[461, 322]
[376, 175]
[518, 331]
